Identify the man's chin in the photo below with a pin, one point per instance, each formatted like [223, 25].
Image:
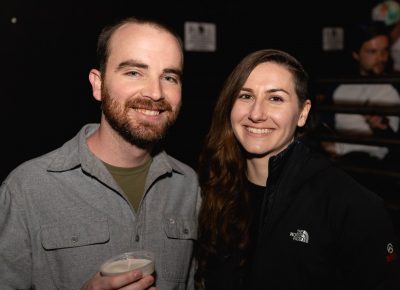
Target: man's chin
[144, 143]
[146, 140]
[379, 71]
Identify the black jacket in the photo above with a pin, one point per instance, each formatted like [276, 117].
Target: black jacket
[322, 231]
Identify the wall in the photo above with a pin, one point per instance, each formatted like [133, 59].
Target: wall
[49, 51]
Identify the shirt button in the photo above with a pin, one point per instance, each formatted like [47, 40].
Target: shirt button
[137, 238]
[185, 231]
[171, 221]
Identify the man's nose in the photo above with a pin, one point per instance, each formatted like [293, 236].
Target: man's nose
[152, 89]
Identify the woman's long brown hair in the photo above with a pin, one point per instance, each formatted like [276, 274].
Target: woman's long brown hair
[225, 214]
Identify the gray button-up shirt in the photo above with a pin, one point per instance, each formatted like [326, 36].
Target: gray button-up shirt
[62, 215]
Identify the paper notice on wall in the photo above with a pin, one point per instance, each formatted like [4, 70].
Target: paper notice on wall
[200, 36]
[332, 38]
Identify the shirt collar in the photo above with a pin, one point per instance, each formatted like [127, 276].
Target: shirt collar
[75, 153]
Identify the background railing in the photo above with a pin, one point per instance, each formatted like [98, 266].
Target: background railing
[325, 110]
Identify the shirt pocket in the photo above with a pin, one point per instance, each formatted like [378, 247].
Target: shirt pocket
[74, 250]
[177, 253]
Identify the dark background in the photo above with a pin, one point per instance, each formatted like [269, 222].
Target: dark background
[47, 54]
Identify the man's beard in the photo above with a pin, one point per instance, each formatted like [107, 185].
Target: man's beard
[137, 132]
[377, 70]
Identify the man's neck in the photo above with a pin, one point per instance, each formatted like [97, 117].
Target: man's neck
[111, 148]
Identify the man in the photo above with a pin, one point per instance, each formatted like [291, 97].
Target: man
[111, 189]
[370, 50]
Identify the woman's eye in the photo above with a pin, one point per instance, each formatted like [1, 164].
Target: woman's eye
[276, 99]
[245, 96]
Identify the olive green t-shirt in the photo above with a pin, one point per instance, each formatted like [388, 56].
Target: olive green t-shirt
[131, 180]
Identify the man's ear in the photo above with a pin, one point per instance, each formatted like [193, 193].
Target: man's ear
[355, 56]
[95, 80]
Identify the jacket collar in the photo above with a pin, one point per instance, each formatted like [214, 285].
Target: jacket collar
[299, 167]
[276, 163]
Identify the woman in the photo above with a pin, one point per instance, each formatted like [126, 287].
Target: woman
[275, 215]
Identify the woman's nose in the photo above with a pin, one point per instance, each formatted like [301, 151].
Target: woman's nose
[258, 112]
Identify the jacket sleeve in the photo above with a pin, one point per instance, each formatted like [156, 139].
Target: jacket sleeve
[15, 253]
[367, 246]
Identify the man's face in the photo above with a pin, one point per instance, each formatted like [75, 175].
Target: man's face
[141, 88]
[373, 56]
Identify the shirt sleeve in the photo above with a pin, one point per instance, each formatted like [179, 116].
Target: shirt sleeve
[15, 253]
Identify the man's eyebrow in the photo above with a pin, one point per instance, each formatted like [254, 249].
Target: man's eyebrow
[176, 71]
[138, 64]
[131, 63]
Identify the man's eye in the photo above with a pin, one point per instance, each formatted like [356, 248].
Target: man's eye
[132, 73]
[172, 79]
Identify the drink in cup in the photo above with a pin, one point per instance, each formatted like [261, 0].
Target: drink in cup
[137, 260]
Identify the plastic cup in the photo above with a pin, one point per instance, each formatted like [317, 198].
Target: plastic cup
[136, 260]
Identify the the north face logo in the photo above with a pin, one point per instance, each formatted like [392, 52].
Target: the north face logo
[300, 236]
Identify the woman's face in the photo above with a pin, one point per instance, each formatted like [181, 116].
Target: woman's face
[266, 111]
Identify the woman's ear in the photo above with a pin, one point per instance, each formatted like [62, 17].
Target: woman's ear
[95, 80]
[304, 113]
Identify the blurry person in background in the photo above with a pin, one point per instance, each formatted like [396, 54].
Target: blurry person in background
[369, 43]
[370, 51]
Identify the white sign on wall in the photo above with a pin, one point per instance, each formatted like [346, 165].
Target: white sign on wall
[332, 38]
[200, 36]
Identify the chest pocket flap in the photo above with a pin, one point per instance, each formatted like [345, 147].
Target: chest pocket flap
[180, 228]
[81, 233]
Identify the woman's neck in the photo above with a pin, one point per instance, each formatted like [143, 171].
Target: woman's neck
[257, 170]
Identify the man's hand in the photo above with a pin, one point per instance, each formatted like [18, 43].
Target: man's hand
[377, 122]
[132, 280]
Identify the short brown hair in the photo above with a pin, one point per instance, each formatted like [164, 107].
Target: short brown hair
[103, 42]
